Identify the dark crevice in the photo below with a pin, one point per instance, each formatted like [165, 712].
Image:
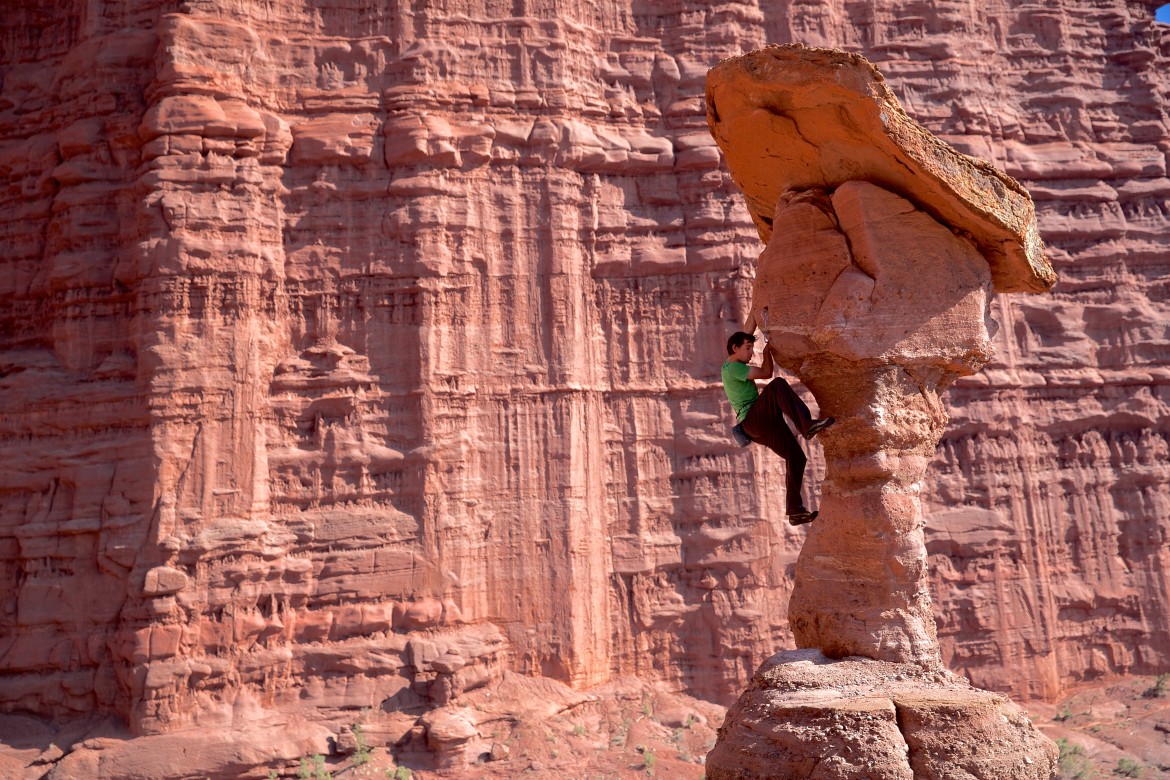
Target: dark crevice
[899, 719]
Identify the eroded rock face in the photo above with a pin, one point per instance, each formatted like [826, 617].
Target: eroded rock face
[329, 334]
[178, 297]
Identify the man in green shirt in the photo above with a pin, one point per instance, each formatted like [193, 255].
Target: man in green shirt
[761, 415]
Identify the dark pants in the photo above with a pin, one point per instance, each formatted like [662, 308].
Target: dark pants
[764, 423]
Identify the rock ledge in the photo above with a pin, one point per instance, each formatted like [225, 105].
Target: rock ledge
[805, 715]
[791, 118]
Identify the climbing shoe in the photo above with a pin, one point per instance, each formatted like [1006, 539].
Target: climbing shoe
[740, 436]
[801, 517]
[819, 425]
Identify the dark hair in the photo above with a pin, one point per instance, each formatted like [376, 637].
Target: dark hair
[737, 339]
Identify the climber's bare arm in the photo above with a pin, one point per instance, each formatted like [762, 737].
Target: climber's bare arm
[766, 369]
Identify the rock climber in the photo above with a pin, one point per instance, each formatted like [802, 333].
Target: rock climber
[760, 416]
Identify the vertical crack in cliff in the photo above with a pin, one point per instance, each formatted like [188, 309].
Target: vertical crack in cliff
[900, 721]
[182, 482]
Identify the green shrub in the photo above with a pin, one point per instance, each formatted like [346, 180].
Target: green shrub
[1072, 763]
[1127, 767]
[361, 754]
[313, 768]
[1159, 689]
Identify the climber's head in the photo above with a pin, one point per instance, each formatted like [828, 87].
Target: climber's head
[737, 340]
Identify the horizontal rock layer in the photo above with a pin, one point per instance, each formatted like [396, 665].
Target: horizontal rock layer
[361, 355]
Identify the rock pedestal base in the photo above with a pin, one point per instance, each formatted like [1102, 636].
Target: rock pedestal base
[811, 717]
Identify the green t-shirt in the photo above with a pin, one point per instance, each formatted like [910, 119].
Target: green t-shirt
[740, 390]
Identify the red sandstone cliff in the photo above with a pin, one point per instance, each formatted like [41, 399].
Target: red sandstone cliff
[353, 356]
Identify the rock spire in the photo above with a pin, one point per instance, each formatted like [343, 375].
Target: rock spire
[884, 250]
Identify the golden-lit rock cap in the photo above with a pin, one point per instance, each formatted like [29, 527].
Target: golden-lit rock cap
[797, 118]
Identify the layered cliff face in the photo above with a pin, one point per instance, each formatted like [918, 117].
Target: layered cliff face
[408, 321]
[356, 355]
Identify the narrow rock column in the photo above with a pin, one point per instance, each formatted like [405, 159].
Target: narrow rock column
[876, 307]
[861, 579]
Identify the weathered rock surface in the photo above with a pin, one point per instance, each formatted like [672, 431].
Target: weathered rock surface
[807, 716]
[327, 330]
[193, 195]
